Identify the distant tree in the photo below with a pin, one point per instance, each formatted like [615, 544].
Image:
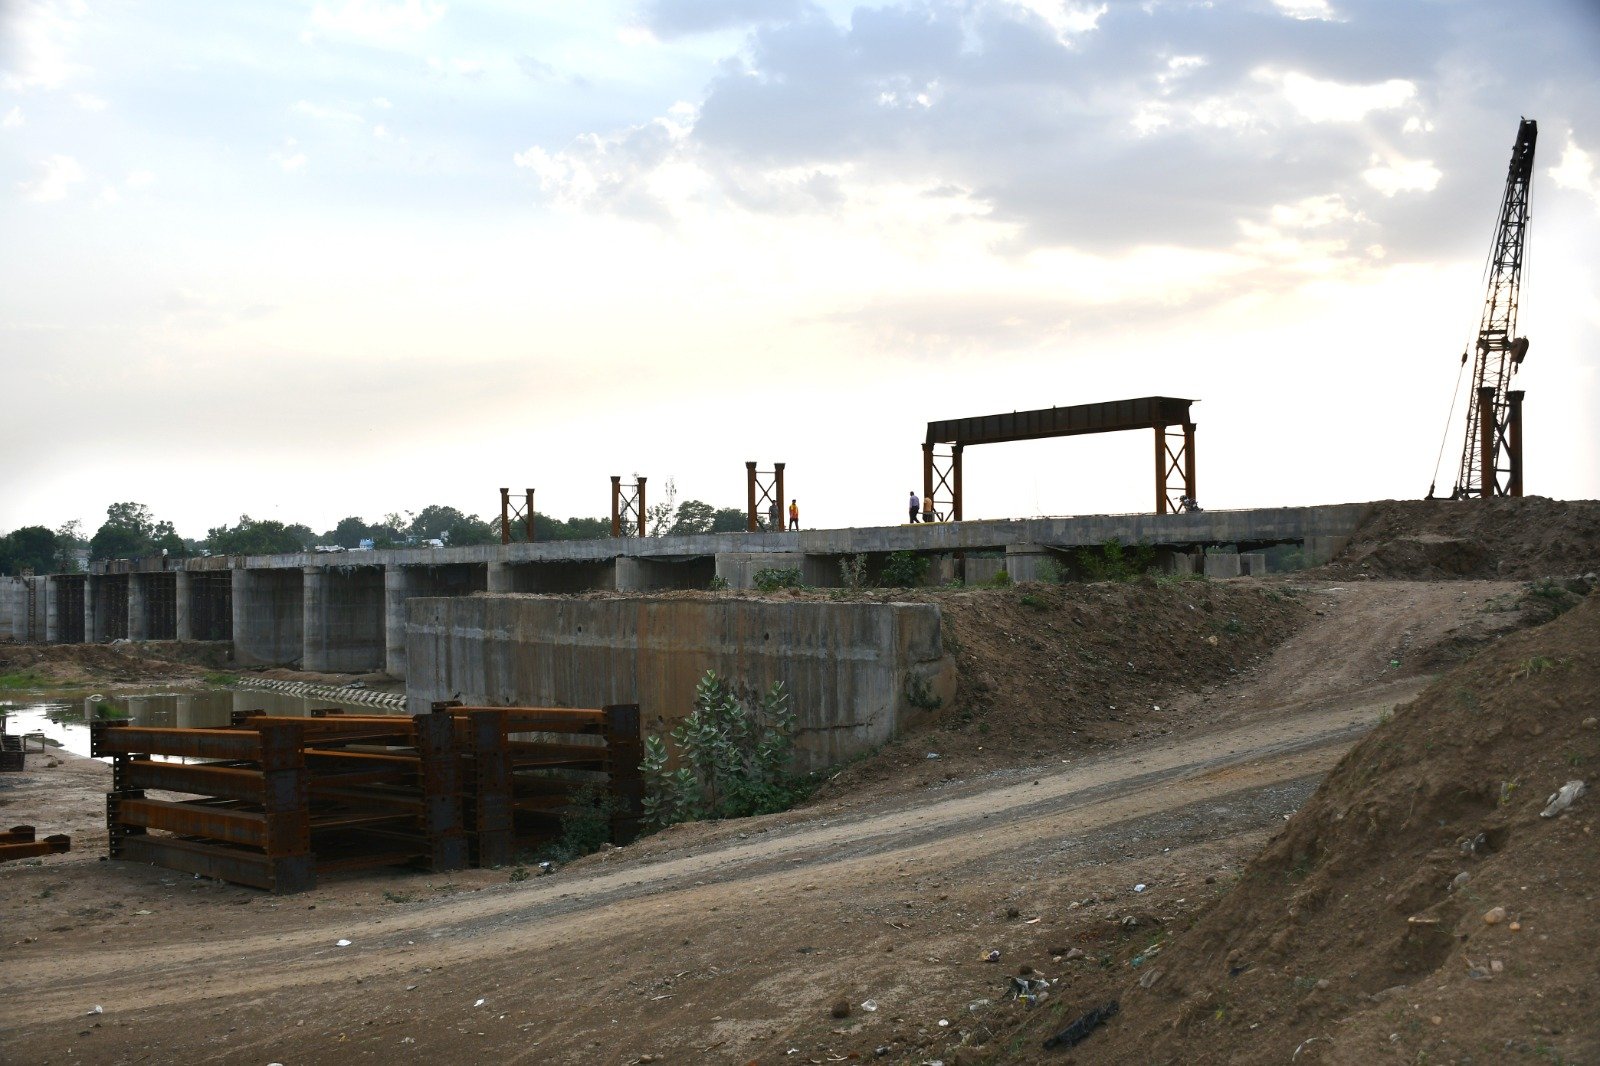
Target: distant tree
[390, 531]
[263, 537]
[31, 547]
[70, 541]
[588, 528]
[659, 516]
[547, 528]
[694, 516]
[349, 533]
[435, 522]
[729, 520]
[130, 531]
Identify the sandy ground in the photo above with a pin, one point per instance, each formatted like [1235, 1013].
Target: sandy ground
[758, 940]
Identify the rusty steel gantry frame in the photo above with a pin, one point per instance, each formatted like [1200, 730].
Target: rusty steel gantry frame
[1166, 415]
[514, 515]
[763, 496]
[1491, 457]
[627, 505]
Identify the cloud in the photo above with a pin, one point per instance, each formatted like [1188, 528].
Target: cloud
[40, 35]
[1576, 171]
[376, 20]
[1329, 101]
[637, 173]
[12, 118]
[89, 101]
[56, 176]
[291, 160]
[667, 19]
[1396, 175]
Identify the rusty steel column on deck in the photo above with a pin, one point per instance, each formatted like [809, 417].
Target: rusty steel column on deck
[927, 470]
[1188, 460]
[955, 481]
[1161, 469]
[1486, 440]
[528, 515]
[777, 490]
[616, 500]
[750, 497]
[1514, 442]
[505, 516]
[642, 531]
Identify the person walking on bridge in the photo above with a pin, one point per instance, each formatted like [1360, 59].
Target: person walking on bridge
[794, 514]
[915, 507]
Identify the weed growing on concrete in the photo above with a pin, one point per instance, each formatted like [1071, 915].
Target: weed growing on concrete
[222, 680]
[1114, 562]
[733, 759]
[718, 583]
[1001, 580]
[772, 578]
[904, 570]
[853, 571]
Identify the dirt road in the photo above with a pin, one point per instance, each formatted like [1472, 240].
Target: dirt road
[720, 943]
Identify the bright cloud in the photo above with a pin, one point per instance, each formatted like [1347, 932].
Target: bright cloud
[1397, 175]
[12, 118]
[56, 176]
[376, 19]
[1306, 10]
[39, 36]
[1576, 171]
[1069, 20]
[1329, 101]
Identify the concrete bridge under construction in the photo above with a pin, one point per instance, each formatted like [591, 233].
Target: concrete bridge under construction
[347, 612]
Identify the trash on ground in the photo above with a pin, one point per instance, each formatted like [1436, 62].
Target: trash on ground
[992, 955]
[96, 1009]
[1140, 887]
[1031, 991]
[869, 1005]
[1082, 1026]
[341, 943]
[1563, 798]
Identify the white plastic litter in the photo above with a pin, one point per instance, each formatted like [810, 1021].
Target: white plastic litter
[341, 943]
[869, 1005]
[1563, 798]
[480, 1003]
[96, 1009]
[1139, 888]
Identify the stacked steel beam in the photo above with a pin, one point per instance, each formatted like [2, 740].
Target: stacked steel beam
[276, 801]
[18, 842]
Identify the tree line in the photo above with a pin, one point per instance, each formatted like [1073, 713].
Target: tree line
[131, 531]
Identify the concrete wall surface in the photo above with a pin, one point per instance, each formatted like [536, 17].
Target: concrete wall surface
[855, 672]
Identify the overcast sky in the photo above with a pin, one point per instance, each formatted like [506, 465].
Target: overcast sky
[311, 260]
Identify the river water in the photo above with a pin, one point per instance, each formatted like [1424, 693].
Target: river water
[66, 720]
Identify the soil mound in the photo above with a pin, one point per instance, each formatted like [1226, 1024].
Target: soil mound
[1043, 669]
[88, 664]
[1420, 907]
[1524, 537]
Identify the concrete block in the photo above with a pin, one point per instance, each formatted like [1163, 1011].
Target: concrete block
[1027, 562]
[1253, 564]
[855, 671]
[981, 569]
[1222, 565]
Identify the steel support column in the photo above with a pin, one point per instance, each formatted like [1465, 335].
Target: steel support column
[1487, 431]
[763, 496]
[513, 517]
[1514, 440]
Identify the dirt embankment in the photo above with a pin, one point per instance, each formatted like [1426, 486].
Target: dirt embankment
[1420, 907]
[1524, 538]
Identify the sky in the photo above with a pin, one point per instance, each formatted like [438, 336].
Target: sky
[350, 257]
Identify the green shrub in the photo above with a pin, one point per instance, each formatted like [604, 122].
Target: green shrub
[771, 578]
[1114, 562]
[905, 570]
[853, 571]
[733, 760]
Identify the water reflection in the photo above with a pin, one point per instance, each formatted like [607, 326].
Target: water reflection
[66, 722]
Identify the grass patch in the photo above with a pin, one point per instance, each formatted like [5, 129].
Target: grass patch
[222, 680]
[23, 679]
